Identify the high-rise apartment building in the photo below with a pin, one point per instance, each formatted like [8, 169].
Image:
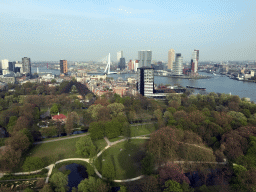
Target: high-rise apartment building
[26, 65]
[119, 55]
[145, 58]
[146, 81]
[63, 66]
[194, 61]
[4, 64]
[12, 66]
[171, 59]
[178, 65]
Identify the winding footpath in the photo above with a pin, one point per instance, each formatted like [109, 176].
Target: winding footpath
[109, 144]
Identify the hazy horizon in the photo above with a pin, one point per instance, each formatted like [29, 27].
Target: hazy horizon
[84, 31]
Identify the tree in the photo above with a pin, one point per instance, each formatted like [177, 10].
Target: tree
[149, 184]
[172, 186]
[53, 81]
[59, 182]
[28, 190]
[123, 189]
[69, 124]
[33, 163]
[97, 130]
[55, 109]
[113, 128]
[172, 172]
[46, 188]
[163, 144]
[116, 109]
[85, 147]
[108, 170]
[9, 158]
[148, 164]
[92, 184]
[126, 130]
[22, 123]
[158, 114]
[18, 141]
[12, 122]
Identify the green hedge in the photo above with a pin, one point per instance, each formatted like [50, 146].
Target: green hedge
[42, 174]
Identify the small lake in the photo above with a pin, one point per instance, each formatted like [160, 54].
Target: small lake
[77, 174]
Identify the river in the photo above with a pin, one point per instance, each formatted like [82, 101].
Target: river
[217, 84]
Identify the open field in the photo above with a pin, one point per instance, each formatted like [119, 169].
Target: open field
[142, 129]
[126, 157]
[116, 139]
[62, 137]
[54, 151]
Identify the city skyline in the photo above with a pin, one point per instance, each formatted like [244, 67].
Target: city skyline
[84, 31]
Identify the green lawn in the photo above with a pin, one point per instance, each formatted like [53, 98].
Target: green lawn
[48, 139]
[54, 151]
[125, 161]
[142, 129]
[116, 139]
[100, 144]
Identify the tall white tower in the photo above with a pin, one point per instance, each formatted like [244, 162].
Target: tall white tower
[119, 55]
[171, 58]
[145, 58]
[178, 65]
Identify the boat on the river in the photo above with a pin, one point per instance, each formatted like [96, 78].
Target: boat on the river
[192, 87]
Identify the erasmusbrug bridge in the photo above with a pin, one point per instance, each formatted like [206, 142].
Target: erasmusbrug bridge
[107, 60]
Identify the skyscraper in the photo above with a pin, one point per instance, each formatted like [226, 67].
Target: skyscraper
[178, 65]
[12, 66]
[146, 81]
[121, 63]
[145, 58]
[26, 65]
[194, 61]
[63, 66]
[171, 58]
[119, 55]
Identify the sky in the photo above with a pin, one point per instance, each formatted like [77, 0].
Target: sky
[85, 30]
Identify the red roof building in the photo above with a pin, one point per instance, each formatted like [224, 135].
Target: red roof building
[59, 117]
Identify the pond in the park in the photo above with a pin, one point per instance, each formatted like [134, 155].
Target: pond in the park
[77, 174]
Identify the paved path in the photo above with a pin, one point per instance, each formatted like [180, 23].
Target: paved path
[60, 139]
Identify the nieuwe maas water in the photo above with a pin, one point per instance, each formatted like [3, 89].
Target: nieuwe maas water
[217, 84]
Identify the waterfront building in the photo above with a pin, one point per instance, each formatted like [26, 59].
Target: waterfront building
[145, 58]
[26, 65]
[63, 66]
[194, 61]
[178, 65]
[171, 59]
[119, 55]
[146, 81]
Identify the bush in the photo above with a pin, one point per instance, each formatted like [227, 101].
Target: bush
[33, 163]
[85, 147]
